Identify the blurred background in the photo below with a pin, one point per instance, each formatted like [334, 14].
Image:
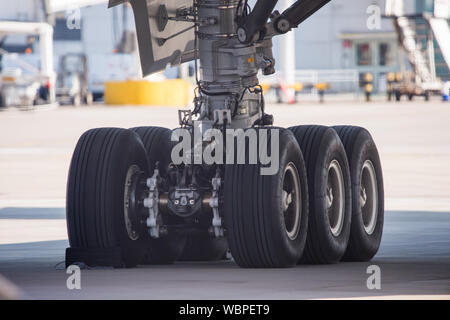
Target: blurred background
[69, 52]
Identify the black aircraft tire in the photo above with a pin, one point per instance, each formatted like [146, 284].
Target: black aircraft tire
[266, 216]
[329, 194]
[95, 192]
[367, 193]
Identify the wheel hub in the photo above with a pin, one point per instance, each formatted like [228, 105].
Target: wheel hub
[369, 196]
[287, 199]
[362, 196]
[290, 201]
[330, 196]
[335, 198]
[133, 207]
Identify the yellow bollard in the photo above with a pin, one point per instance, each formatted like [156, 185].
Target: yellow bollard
[174, 92]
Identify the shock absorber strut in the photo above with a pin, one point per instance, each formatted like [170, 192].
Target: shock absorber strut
[227, 66]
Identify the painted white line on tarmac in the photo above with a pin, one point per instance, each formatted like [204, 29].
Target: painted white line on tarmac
[35, 151]
[417, 204]
[33, 203]
[32, 230]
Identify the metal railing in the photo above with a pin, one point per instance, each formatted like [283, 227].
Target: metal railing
[341, 80]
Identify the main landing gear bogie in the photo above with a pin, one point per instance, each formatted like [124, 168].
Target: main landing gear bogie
[325, 202]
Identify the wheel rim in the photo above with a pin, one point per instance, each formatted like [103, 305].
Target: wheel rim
[290, 201]
[368, 196]
[335, 197]
[131, 205]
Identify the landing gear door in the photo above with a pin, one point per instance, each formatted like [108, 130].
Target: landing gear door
[164, 37]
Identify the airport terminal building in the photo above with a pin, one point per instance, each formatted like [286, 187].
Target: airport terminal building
[349, 38]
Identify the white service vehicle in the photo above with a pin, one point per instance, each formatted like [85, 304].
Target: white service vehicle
[21, 82]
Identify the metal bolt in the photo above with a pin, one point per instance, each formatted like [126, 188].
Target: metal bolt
[163, 231]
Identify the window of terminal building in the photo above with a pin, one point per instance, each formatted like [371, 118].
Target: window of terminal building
[63, 31]
[385, 54]
[363, 54]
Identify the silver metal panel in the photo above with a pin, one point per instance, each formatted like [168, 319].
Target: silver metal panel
[172, 45]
